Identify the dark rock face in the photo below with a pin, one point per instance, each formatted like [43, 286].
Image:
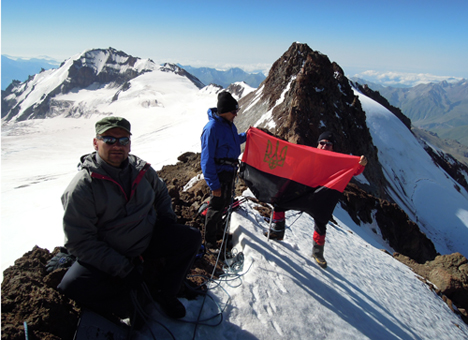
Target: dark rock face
[402, 234]
[449, 273]
[29, 295]
[236, 90]
[454, 168]
[91, 69]
[186, 203]
[307, 95]
[8, 102]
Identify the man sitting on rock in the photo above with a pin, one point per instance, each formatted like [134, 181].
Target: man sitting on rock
[118, 213]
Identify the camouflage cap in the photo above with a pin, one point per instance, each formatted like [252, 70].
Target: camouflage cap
[112, 122]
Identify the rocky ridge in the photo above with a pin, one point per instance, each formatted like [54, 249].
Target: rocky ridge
[306, 94]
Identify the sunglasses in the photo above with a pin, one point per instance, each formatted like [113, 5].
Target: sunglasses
[109, 140]
[325, 143]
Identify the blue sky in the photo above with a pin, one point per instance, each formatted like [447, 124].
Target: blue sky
[409, 36]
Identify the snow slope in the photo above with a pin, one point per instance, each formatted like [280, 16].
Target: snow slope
[281, 293]
[422, 189]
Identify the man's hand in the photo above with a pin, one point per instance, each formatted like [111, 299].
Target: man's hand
[363, 161]
[216, 193]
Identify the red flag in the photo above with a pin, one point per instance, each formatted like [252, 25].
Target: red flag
[293, 176]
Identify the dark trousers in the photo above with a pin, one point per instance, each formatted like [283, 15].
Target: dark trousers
[176, 244]
[214, 216]
[320, 226]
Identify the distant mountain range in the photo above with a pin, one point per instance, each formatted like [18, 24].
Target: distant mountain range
[225, 78]
[440, 107]
[21, 69]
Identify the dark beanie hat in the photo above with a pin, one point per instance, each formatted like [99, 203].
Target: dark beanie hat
[328, 136]
[226, 103]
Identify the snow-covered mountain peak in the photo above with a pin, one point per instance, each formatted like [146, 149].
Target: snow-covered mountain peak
[107, 71]
[120, 62]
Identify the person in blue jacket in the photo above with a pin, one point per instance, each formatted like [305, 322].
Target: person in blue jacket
[220, 143]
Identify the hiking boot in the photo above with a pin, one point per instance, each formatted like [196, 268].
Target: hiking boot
[317, 254]
[277, 230]
[170, 305]
[275, 235]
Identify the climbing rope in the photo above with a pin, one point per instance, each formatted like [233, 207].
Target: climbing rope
[233, 265]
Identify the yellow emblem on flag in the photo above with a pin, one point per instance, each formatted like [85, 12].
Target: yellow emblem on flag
[273, 158]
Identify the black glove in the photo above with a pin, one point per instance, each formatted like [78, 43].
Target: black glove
[135, 278]
[61, 260]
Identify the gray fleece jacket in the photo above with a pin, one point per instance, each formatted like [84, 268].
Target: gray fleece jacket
[110, 213]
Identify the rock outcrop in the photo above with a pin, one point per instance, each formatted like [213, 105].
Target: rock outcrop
[29, 295]
[306, 94]
[402, 234]
[448, 276]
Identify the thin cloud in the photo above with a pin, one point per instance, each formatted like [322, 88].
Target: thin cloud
[401, 78]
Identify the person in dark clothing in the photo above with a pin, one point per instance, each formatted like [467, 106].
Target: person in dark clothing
[118, 213]
[220, 143]
[325, 142]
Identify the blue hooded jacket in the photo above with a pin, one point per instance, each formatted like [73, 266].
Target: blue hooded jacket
[219, 140]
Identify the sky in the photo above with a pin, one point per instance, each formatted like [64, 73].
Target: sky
[278, 291]
[417, 37]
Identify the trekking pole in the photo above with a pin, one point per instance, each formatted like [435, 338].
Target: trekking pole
[228, 216]
[271, 223]
[26, 331]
